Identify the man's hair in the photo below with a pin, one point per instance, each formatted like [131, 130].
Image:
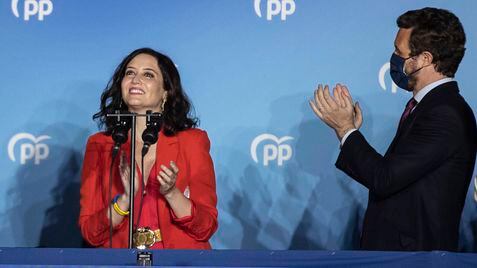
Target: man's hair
[439, 32]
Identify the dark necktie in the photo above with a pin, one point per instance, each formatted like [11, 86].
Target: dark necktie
[409, 106]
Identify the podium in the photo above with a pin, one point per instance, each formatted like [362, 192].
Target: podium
[234, 258]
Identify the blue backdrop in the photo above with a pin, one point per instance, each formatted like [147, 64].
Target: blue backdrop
[249, 67]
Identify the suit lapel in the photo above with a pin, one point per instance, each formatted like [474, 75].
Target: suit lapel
[167, 149]
[403, 129]
[437, 93]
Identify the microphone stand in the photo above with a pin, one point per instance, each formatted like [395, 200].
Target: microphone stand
[132, 173]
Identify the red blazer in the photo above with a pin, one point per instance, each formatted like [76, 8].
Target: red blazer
[189, 149]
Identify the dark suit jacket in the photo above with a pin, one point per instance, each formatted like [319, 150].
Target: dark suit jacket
[418, 188]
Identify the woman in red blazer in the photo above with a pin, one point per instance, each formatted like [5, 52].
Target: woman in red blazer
[177, 201]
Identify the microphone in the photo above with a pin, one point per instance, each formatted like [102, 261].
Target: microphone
[121, 126]
[150, 134]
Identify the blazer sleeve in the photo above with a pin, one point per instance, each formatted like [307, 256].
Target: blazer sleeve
[93, 220]
[202, 223]
[431, 140]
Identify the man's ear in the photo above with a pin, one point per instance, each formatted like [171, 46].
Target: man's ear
[427, 58]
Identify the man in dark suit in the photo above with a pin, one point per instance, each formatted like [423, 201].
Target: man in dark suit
[418, 188]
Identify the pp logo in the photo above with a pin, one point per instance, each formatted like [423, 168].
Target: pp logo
[382, 72]
[31, 148]
[283, 8]
[273, 150]
[41, 8]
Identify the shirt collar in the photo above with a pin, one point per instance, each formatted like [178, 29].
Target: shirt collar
[423, 92]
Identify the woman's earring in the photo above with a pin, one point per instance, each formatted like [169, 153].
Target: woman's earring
[164, 99]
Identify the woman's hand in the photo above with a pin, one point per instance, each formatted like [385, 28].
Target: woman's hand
[167, 178]
[123, 201]
[180, 204]
[124, 172]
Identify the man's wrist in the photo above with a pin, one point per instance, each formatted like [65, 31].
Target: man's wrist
[341, 132]
[343, 140]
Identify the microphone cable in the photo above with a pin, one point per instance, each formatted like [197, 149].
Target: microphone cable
[149, 137]
[121, 126]
[143, 192]
[111, 201]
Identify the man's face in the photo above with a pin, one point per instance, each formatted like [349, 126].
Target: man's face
[401, 43]
[401, 48]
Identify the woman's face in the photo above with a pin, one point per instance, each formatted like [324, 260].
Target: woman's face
[142, 87]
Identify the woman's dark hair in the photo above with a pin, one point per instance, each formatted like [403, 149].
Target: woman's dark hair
[176, 112]
[439, 32]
